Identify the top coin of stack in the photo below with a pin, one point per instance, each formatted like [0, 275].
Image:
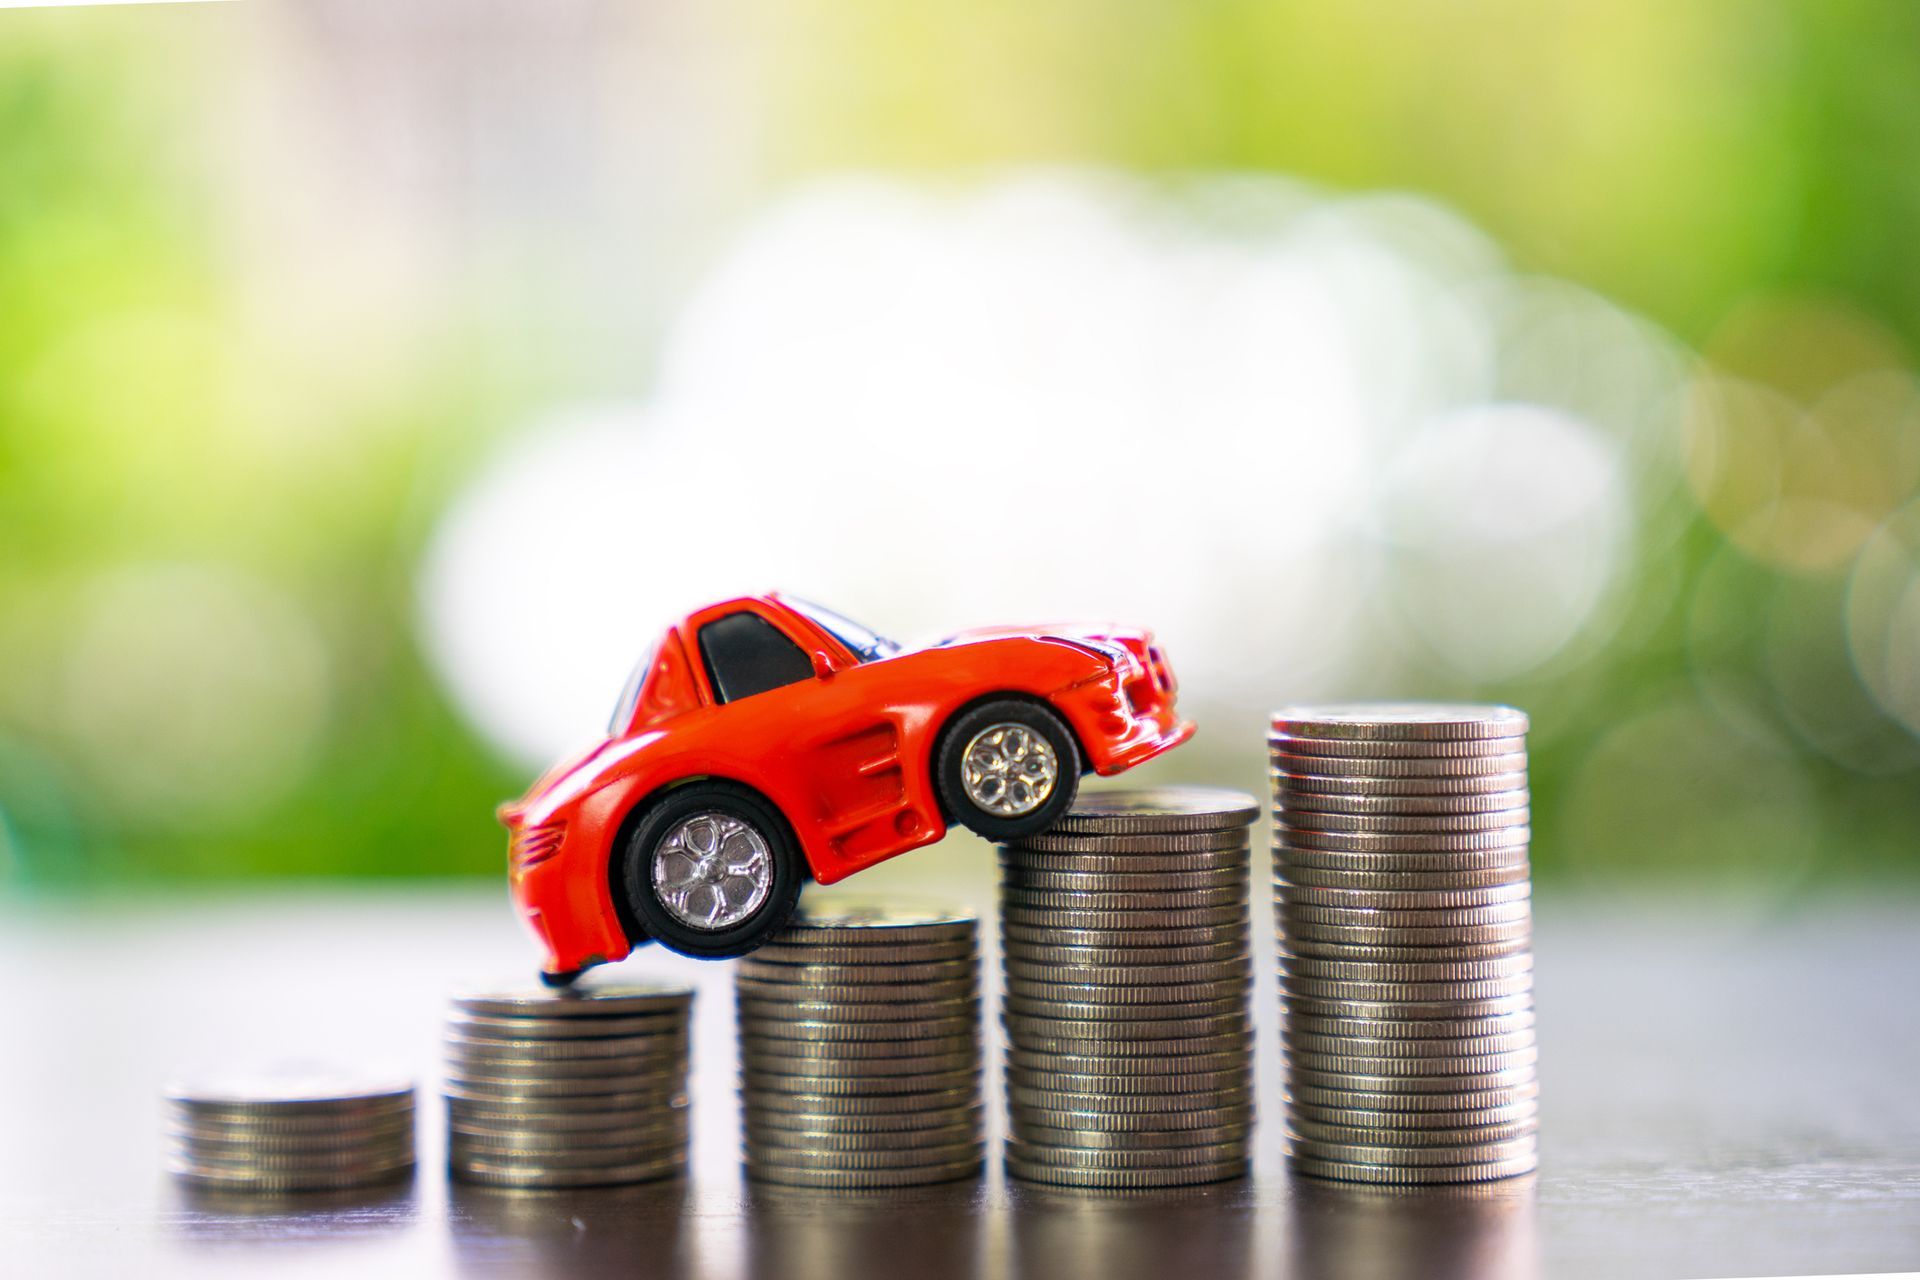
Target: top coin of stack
[1129, 1060]
[860, 1047]
[297, 1129]
[1403, 902]
[576, 1088]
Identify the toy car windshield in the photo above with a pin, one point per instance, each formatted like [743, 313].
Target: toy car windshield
[866, 645]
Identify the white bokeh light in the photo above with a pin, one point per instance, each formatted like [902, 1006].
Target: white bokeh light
[1055, 394]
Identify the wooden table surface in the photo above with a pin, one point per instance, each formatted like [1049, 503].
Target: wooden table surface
[1728, 1090]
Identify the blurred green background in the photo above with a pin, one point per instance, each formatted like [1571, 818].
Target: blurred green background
[277, 279]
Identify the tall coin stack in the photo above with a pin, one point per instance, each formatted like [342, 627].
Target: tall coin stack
[577, 1088]
[1125, 936]
[1406, 967]
[860, 1047]
[291, 1130]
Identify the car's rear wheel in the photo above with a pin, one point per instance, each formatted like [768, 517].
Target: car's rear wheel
[1007, 768]
[712, 870]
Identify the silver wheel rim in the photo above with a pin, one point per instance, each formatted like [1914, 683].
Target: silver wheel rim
[1009, 770]
[712, 871]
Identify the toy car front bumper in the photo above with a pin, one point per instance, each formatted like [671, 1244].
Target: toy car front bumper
[1145, 746]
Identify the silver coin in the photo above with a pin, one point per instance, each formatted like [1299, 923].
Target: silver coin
[462, 1149]
[1290, 785]
[531, 1175]
[1393, 1175]
[953, 1133]
[1395, 971]
[865, 1179]
[1421, 953]
[1504, 1100]
[1186, 1083]
[1294, 764]
[475, 1026]
[1127, 1179]
[1401, 899]
[1491, 1086]
[1421, 1047]
[1453, 935]
[316, 1127]
[1082, 902]
[1190, 848]
[850, 1033]
[1157, 811]
[1039, 1032]
[1168, 918]
[1520, 1111]
[858, 1069]
[501, 1095]
[375, 1156]
[563, 1115]
[1288, 801]
[1081, 1064]
[1292, 840]
[1164, 883]
[588, 999]
[847, 975]
[759, 1120]
[1195, 936]
[1492, 913]
[899, 996]
[1024, 1118]
[1122, 1158]
[1398, 881]
[1237, 969]
[217, 1179]
[960, 1093]
[849, 920]
[1135, 1140]
[288, 1090]
[1301, 1128]
[1478, 1153]
[1123, 957]
[1058, 1100]
[1401, 824]
[218, 1138]
[764, 1011]
[1399, 993]
[523, 1138]
[1338, 749]
[766, 1156]
[1390, 870]
[1299, 1004]
[768, 1082]
[648, 1049]
[1087, 1011]
[1399, 721]
[964, 1041]
[1409, 1029]
[1129, 1054]
[1356, 1066]
[871, 953]
[1027, 990]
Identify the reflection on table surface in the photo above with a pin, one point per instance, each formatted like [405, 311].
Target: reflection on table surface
[1721, 1096]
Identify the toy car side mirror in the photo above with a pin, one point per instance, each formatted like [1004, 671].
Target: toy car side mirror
[822, 668]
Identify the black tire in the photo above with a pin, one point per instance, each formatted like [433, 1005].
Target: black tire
[745, 806]
[950, 760]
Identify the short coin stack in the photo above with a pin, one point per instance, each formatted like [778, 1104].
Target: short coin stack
[1406, 967]
[860, 1047]
[577, 1088]
[1125, 934]
[291, 1130]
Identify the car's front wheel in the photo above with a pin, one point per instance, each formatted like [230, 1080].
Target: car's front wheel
[712, 870]
[1007, 768]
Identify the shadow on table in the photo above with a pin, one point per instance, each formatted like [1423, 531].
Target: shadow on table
[633, 1231]
[201, 1218]
[1483, 1231]
[926, 1233]
[1190, 1233]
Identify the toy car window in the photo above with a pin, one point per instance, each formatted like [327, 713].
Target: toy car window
[745, 654]
[866, 645]
[630, 696]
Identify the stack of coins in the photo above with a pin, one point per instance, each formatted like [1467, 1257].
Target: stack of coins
[576, 1088]
[298, 1129]
[860, 1047]
[1125, 932]
[1406, 967]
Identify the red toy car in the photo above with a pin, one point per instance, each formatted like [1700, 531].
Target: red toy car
[765, 740]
